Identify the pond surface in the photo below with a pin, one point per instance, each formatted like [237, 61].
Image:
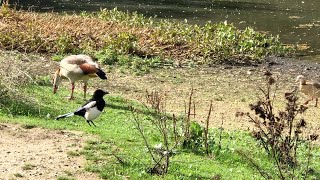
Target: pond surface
[296, 21]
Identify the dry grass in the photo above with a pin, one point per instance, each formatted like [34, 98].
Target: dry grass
[17, 70]
[33, 32]
[132, 34]
[51, 33]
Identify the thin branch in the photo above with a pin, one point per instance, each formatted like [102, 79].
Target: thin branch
[136, 121]
[207, 129]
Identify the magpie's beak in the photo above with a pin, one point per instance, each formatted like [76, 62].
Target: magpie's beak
[106, 92]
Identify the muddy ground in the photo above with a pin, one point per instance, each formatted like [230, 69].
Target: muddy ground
[230, 88]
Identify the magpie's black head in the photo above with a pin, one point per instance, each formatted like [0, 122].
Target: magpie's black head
[99, 93]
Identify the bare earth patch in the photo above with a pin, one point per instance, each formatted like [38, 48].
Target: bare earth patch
[230, 88]
[38, 153]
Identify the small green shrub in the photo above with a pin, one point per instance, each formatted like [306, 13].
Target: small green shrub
[64, 44]
[73, 153]
[28, 167]
[195, 142]
[26, 126]
[122, 43]
[107, 56]
[133, 19]
[65, 178]
[57, 57]
[18, 175]
[43, 80]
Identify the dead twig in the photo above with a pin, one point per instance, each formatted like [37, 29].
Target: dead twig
[206, 130]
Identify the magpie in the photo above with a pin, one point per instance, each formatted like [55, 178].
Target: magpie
[91, 109]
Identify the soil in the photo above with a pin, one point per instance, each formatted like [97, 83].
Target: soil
[230, 88]
[38, 153]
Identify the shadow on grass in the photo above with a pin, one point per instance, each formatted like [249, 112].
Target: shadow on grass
[120, 103]
[15, 106]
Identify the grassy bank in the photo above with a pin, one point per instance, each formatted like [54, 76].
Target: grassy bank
[119, 150]
[131, 39]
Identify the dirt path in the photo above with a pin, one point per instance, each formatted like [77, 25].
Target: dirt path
[38, 153]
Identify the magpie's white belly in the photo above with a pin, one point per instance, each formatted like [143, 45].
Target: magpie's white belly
[92, 114]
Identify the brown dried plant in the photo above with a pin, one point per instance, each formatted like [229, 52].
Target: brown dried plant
[56, 33]
[279, 133]
[130, 33]
[206, 130]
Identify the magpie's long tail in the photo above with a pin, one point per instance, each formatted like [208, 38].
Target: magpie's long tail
[64, 115]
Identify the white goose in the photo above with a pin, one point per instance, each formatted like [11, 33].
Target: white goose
[309, 88]
[75, 68]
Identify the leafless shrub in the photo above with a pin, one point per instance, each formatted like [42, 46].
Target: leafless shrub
[160, 153]
[12, 77]
[4, 2]
[220, 133]
[175, 131]
[187, 118]
[157, 101]
[280, 134]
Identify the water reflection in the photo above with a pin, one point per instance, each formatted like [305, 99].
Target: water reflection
[297, 21]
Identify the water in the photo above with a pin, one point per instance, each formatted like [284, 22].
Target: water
[296, 21]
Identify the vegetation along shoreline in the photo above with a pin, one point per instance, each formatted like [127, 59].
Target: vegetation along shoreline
[186, 101]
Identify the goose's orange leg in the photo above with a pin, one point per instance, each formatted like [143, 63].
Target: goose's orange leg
[85, 90]
[72, 90]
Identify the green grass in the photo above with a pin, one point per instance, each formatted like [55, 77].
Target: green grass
[73, 153]
[18, 175]
[65, 178]
[28, 167]
[119, 150]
